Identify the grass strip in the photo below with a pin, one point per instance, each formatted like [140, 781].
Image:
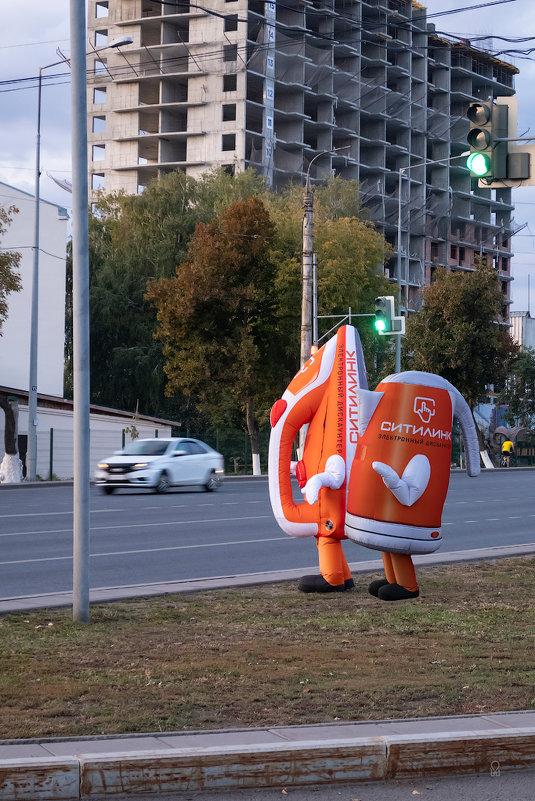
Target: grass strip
[269, 655]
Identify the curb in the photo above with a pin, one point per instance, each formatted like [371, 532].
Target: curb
[87, 777]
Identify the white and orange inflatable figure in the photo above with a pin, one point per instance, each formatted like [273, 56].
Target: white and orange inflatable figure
[400, 474]
[324, 396]
[378, 460]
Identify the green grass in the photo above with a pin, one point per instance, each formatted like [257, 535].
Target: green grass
[269, 656]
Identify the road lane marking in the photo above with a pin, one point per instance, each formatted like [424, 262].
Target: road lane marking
[45, 514]
[142, 525]
[146, 550]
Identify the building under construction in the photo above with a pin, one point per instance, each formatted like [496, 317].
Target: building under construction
[366, 88]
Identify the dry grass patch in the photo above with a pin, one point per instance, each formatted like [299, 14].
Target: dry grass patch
[269, 656]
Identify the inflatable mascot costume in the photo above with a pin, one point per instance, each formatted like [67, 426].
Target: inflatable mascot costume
[324, 395]
[381, 460]
[400, 474]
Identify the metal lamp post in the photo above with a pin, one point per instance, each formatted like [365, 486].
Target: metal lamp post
[34, 314]
[80, 249]
[307, 300]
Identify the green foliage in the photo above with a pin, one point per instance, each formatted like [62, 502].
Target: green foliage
[456, 334]
[350, 254]
[216, 316]
[135, 239]
[148, 239]
[519, 391]
[9, 261]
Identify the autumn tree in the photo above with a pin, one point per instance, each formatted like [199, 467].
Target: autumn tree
[216, 318]
[135, 239]
[457, 333]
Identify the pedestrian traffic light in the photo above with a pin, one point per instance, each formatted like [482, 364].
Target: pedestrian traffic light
[487, 138]
[384, 312]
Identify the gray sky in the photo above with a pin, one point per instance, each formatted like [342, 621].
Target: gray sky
[31, 30]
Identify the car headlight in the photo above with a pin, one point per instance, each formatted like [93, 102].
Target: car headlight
[140, 465]
[103, 466]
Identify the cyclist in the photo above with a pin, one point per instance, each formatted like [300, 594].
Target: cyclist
[507, 450]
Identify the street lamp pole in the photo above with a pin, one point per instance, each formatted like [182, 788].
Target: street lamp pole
[308, 261]
[80, 294]
[34, 312]
[401, 172]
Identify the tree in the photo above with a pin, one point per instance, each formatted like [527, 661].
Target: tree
[351, 255]
[457, 334]
[216, 318]
[9, 262]
[135, 239]
[11, 466]
[518, 393]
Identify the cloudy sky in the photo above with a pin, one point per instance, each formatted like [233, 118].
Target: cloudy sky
[32, 30]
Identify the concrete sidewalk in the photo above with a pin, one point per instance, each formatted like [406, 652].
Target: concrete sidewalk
[119, 767]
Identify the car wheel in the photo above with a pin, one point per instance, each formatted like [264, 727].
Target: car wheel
[108, 490]
[163, 483]
[213, 483]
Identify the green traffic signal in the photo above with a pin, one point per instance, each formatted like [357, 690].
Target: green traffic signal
[384, 311]
[479, 164]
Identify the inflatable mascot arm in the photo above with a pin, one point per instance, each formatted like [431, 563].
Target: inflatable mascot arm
[324, 396]
[399, 478]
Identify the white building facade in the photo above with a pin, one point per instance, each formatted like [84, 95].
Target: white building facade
[16, 330]
[523, 329]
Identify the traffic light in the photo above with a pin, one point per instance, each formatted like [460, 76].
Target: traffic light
[384, 311]
[386, 323]
[487, 138]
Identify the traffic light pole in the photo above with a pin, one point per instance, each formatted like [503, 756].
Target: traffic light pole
[307, 264]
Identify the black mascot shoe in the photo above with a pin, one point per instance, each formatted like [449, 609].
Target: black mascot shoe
[318, 584]
[349, 584]
[394, 592]
[375, 586]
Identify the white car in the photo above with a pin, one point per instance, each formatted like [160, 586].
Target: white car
[161, 463]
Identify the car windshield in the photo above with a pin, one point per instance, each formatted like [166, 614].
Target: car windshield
[151, 447]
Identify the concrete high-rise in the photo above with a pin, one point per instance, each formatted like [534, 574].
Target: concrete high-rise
[368, 84]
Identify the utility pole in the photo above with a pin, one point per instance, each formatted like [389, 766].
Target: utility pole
[307, 269]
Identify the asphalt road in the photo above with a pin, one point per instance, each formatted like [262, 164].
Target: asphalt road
[143, 538]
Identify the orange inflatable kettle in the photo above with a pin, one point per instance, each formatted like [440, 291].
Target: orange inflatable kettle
[400, 474]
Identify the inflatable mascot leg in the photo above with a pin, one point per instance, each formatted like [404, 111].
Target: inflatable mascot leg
[400, 475]
[323, 395]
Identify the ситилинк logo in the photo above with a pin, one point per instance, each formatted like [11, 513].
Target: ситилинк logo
[424, 408]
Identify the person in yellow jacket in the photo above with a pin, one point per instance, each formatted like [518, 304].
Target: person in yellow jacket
[507, 450]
